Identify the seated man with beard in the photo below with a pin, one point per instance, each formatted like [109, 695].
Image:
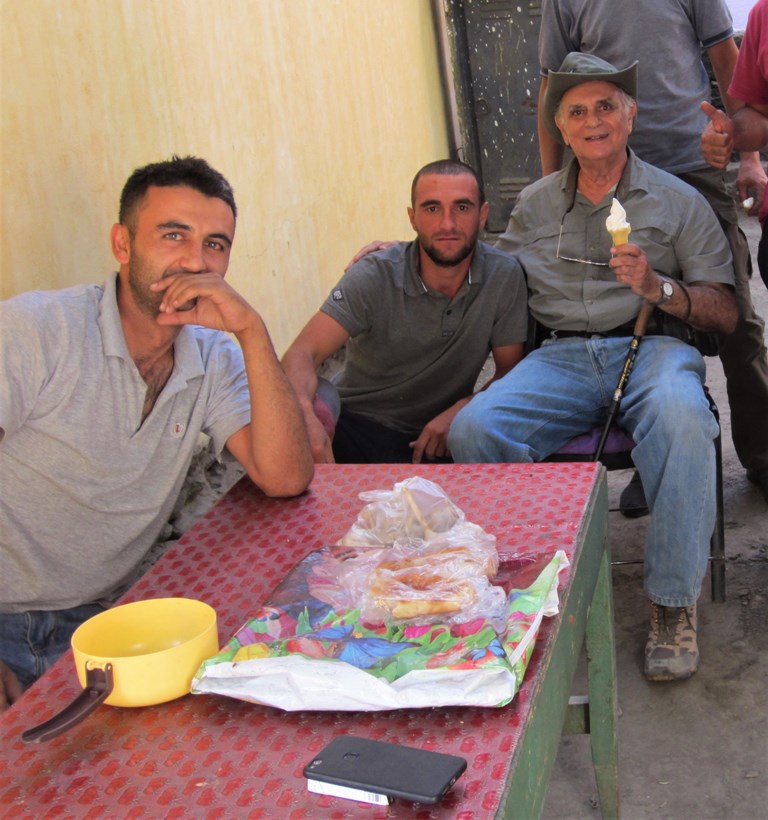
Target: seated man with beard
[419, 320]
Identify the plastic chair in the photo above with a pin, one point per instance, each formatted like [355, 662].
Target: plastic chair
[617, 455]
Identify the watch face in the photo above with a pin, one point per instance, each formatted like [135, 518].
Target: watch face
[667, 290]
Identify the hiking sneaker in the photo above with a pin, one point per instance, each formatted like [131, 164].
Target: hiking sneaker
[671, 652]
[632, 501]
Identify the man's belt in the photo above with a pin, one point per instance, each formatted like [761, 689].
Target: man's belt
[627, 329]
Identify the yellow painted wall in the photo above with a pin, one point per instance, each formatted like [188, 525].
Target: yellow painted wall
[318, 111]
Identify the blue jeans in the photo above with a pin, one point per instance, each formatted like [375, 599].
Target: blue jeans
[30, 642]
[565, 388]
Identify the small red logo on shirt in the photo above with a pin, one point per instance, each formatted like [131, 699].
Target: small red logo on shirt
[177, 430]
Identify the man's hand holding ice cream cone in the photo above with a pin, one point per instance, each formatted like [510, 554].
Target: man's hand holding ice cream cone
[693, 303]
[629, 262]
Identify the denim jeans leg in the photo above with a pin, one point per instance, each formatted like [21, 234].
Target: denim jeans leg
[564, 389]
[30, 642]
[15, 649]
[665, 409]
[554, 394]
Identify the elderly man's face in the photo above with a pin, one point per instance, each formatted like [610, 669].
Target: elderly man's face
[595, 121]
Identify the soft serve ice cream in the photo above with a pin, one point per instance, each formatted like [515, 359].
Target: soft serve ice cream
[617, 224]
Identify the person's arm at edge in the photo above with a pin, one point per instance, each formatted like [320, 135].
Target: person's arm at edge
[320, 338]
[747, 128]
[750, 127]
[550, 150]
[751, 175]
[433, 439]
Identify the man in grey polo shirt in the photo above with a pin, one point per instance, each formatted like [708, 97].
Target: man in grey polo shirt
[103, 394]
[419, 320]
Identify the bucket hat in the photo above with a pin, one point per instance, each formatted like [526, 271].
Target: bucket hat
[578, 68]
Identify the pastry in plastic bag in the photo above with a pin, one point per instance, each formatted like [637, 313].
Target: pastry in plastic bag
[446, 578]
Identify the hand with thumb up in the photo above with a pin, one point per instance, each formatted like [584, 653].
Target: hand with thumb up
[717, 139]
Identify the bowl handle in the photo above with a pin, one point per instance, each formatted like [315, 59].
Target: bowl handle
[98, 686]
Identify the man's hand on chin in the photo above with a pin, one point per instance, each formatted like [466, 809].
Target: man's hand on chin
[203, 299]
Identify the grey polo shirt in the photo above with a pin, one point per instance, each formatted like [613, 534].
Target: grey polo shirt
[85, 486]
[671, 222]
[414, 352]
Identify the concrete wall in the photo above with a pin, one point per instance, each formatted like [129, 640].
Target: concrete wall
[318, 111]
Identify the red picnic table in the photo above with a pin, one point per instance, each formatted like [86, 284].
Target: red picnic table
[211, 756]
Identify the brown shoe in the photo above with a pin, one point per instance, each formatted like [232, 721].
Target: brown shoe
[671, 652]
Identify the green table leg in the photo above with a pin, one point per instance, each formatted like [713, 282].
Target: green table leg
[586, 616]
[603, 706]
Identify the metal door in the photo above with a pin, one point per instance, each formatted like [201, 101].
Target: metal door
[491, 72]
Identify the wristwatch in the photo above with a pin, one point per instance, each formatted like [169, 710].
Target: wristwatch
[667, 292]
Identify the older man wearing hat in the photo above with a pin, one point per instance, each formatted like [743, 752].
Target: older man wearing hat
[584, 294]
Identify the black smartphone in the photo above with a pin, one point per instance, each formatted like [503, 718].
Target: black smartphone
[372, 767]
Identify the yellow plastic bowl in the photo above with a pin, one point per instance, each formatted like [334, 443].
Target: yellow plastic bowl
[155, 647]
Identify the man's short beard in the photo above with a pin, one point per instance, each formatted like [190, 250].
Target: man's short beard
[147, 301]
[449, 262]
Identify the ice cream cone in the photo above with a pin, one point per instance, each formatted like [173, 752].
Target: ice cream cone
[617, 225]
[620, 237]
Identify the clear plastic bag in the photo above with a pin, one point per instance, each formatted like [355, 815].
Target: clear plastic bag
[414, 508]
[429, 564]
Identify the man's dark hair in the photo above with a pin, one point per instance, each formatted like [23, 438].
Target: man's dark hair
[447, 167]
[191, 172]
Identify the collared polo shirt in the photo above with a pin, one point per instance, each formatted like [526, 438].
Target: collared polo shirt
[413, 352]
[86, 485]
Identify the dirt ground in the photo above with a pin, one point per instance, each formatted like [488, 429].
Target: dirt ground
[697, 748]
